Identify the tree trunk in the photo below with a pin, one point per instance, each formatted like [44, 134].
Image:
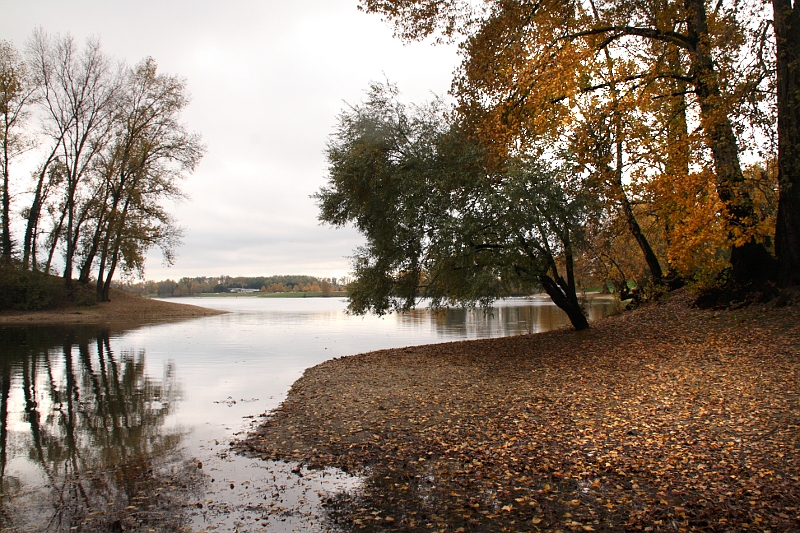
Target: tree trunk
[5, 242]
[633, 224]
[101, 267]
[750, 261]
[104, 293]
[565, 301]
[563, 292]
[86, 268]
[75, 222]
[54, 241]
[29, 242]
[787, 230]
[627, 211]
[70, 250]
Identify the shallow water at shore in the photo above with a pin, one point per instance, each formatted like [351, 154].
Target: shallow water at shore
[105, 428]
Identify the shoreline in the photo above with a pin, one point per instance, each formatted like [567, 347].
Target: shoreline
[124, 307]
[663, 415]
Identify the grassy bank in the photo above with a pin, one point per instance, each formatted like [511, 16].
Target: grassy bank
[665, 418]
[124, 307]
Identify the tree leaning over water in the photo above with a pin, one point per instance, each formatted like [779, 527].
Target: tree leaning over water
[439, 222]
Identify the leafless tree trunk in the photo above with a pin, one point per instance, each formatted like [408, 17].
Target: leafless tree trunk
[78, 94]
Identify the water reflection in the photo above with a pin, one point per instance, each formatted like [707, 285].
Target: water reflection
[515, 316]
[97, 425]
[82, 433]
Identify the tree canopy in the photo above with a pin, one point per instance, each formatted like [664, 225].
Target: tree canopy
[613, 141]
[691, 88]
[439, 224]
[111, 150]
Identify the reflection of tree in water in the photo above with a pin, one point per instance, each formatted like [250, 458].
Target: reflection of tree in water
[500, 320]
[95, 433]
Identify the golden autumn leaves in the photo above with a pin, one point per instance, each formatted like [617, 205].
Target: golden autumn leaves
[661, 102]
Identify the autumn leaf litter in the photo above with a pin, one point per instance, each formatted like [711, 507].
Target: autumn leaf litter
[667, 418]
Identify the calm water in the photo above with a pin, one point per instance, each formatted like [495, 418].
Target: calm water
[119, 428]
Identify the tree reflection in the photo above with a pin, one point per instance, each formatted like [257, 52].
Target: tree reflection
[525, 317]
[84, 441]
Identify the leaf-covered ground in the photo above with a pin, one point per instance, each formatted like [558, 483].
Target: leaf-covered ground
[667, 418]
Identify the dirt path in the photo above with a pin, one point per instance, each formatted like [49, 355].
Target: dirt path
[123, 307]
[667, 418]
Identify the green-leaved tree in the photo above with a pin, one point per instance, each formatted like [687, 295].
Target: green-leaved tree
[439, 224]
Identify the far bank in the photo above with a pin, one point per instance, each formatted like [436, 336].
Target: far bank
[123, 307]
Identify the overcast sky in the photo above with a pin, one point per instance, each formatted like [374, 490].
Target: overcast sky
[267, 80]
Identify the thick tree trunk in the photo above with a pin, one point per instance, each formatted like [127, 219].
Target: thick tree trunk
[750, 261]
[566, 302]
[88, 261]
[74, 228]
[787, 230]
[104, 287]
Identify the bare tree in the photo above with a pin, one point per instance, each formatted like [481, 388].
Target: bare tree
[78, 93]
[16, 95]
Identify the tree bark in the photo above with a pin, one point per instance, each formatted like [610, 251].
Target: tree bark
[102, 219]
[104, 286]
[787, 230]
[565, 301]
[633, 225]
[750, 260]
[5, 243]
[29, 242]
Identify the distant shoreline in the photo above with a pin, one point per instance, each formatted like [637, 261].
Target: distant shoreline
[338, 294]
[124, 307]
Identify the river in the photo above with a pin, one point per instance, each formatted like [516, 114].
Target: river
[127, 428]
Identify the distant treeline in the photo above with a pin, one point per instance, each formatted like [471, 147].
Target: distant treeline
[222, 284]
